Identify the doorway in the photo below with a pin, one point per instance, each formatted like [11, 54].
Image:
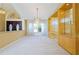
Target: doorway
[36, 29]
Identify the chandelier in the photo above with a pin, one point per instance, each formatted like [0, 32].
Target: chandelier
[37, 18]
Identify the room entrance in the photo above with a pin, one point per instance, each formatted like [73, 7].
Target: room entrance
[36, 29]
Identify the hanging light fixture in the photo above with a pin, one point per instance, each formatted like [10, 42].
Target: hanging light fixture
[37, 18]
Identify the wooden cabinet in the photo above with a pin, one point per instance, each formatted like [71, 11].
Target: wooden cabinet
[53, 26]
[68, 27]
[67, 36]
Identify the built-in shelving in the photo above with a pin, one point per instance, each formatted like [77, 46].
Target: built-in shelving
[68, 27]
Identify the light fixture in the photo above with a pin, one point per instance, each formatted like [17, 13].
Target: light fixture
[37, 18]
[62, 13]
[67, 4]
[2, 11]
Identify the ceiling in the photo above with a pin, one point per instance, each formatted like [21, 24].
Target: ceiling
[7, 6]
[28, 10]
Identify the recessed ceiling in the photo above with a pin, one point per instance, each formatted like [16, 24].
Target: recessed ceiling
[28, 10]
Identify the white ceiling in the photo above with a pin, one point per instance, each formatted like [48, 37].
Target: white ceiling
[28, 10]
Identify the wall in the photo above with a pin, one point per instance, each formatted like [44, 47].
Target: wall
[10, 14]
[25, 26]
[2, 22]
[8, 37]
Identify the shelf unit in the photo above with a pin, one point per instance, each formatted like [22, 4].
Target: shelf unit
[68, 27]
[53, 26]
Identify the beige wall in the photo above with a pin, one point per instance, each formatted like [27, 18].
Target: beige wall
[8, 37]
[2, 22]
[26, 24]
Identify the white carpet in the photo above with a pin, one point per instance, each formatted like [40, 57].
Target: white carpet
[34, 45]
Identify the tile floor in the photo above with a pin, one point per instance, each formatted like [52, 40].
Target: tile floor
[34, 45]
